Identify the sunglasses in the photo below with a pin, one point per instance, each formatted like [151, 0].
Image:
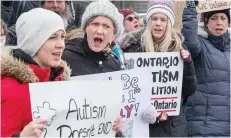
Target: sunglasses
[130, 19]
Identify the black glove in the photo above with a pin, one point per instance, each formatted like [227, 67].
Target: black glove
[191, 3]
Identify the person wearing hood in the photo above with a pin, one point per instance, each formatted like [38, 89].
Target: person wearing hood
[91, 54]
[37, 58]
[208, 112]
[159, 36]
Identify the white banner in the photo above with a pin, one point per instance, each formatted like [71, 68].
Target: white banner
[166, 71]
[77, 109]
[134, 100]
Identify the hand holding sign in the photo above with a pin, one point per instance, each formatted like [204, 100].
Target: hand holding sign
[118, 124]
[34, 128]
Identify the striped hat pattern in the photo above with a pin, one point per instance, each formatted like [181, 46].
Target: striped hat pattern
[161, 6]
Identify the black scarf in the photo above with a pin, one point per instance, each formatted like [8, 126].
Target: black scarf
[221, 42]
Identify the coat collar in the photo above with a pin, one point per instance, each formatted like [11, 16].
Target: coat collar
[27, 73]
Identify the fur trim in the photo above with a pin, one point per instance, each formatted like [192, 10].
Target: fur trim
[16, 68]
[203, 32]
[131, 38]
[67, 71]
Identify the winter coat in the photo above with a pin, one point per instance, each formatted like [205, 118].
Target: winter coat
[6, 9]
[208, 112]
[175, 126]
[19, 7]
[83, 61]
[79, 8]
[17, 70]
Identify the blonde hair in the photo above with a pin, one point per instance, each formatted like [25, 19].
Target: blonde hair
[170, 42]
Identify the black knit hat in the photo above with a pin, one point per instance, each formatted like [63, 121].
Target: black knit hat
[207, 15]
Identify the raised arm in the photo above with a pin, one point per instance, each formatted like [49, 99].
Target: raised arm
[189, 31]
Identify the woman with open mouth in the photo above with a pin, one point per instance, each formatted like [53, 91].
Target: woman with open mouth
[102, 24]
[159, 36]
[209, 45]
[37, 58]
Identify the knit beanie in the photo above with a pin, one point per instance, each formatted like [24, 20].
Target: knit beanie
[33, 29]
[103, 8]
[162, 6]
[126, 12]
[207, 15]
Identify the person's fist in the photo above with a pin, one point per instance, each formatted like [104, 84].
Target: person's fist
[118, 124]
[186, 56]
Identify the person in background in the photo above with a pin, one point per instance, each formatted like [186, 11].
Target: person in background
[159, 36]
[37, 58]
[61, 7]
[131, 20]
[130, 23]
[208, 110]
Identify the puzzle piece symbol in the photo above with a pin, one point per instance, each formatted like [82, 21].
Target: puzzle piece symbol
[45, 112]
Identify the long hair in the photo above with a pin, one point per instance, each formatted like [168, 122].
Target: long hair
[170, 42]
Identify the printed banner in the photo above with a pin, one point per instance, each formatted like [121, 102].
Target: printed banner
[166, 71]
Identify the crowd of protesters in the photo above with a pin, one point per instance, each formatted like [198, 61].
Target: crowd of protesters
[45, 41]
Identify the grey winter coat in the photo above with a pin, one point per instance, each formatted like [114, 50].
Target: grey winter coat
[175, 126]
[208, 112]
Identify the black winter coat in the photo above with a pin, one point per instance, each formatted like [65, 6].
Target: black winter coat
[83, 61]
[175, 126]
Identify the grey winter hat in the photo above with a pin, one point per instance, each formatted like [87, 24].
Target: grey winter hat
[103, 8]
[33, 29]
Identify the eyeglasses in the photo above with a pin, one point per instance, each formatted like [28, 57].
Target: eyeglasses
[130, 19]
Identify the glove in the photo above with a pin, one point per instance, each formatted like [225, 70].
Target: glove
[191, 3]
[150, 115]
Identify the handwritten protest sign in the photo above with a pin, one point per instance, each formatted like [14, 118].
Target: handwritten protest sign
[212, 5]
[77, 109]
[134, 100]
[166, 69]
